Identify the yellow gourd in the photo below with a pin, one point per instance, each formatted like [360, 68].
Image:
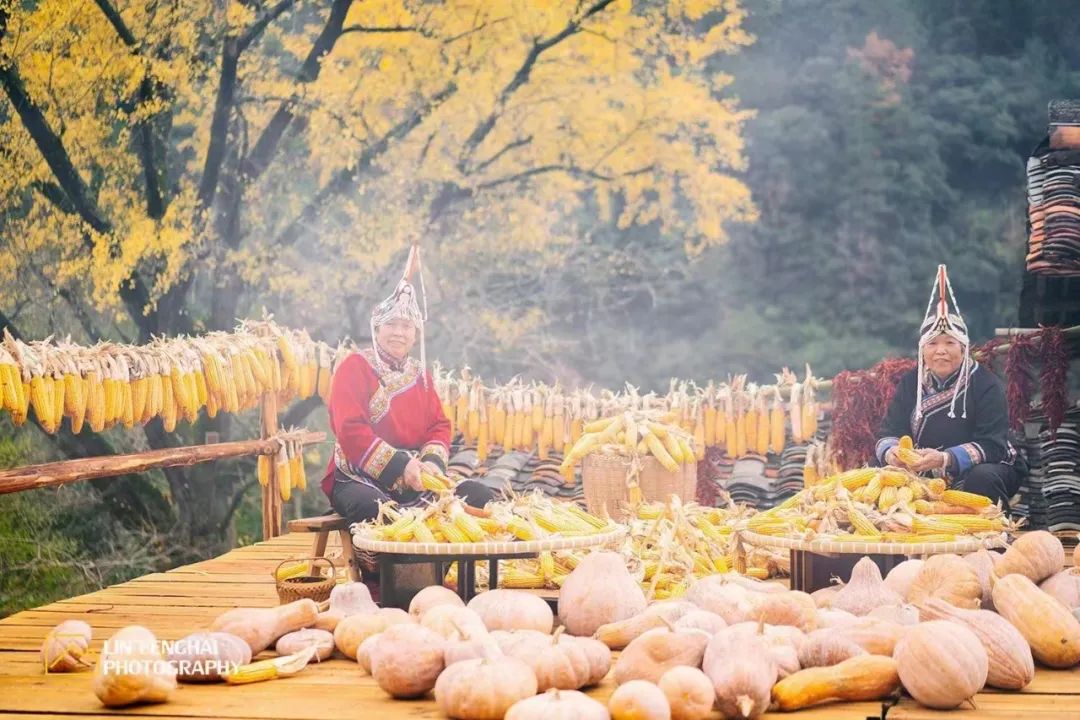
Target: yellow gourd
[860, 678]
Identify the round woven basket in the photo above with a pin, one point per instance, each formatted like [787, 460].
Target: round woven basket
[604, 478]
[313, 586]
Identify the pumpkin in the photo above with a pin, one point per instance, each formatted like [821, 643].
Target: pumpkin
[900, 577]
[657, 651]
[701, 620]
[599, 656]
[354, 630]
[865, 591]
[1064, 587]
[864, 677]
[1010, 663]
[512, 610]
[454, 623]
[874, 635]
[793, 608]
[618, 635]
[558, 705]
[474, 649]
[483, 689]
[823, 597]
[742, 673]
[261, 627]
[899, 614]
[204, 657]
[509, 640]
[363, 653]
[983, 565]
[598, 591]
[639, 700]
[294, 642]
[781, 641]
[752, 584]
[941, 664]
[406, 660]
[824, 648]
[689, 693]
[65, 646]
[1036, 555]
[949, 578]
[1047, 625]
[559, 662]
[833, 618]
[131, 670]
[395, 616]
[351, 598]
[433, 596]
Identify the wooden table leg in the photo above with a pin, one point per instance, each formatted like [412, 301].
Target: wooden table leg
[493, 573]
[387, 591]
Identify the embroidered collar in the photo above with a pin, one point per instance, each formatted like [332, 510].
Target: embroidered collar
[932, 382]
[390, 361]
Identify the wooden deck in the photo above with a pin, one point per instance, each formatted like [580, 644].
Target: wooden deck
[184, 600]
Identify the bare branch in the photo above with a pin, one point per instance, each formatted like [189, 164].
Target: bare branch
[520, 142]
[260, 25]
[376, 29]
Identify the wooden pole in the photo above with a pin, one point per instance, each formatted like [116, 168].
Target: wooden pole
[271, 494]
[68, 471]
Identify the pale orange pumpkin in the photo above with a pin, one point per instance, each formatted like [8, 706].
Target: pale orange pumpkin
[1064, 587]
[483, 689]
[600, 590]
[949, 578]
[742, 672]
[407, 660]
[512, 610]
[1049, 628]
[433, 596]
[558, 705]
[657, 651]
[941, 664]
[1036, 555]
[689, 693]
[639, 700]
[865, 591]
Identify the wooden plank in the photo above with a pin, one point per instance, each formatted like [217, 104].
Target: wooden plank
[994, 706]
[67, 471]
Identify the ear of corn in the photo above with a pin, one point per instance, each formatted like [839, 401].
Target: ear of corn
[965, 499]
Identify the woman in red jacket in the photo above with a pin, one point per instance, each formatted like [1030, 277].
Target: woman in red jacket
[387, 417]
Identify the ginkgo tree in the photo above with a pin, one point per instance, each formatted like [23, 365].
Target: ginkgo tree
[167, 166]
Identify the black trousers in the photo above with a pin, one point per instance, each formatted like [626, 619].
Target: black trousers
[357, 502]
[997, 481]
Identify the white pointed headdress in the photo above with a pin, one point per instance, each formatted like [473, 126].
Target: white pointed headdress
[940, 320]
[403, 303]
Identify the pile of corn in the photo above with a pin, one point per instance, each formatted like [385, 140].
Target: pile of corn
[883, 505]
[533, 516]
[636, 433]
[734, 416]
[667, 547]
[170, 378]
[288, 464]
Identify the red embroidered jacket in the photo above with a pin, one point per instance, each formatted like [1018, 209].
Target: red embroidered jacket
[376, 418]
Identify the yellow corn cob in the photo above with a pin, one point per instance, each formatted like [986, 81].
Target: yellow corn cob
[923, 506]
[543, 441]
[928, 538]
[689, 456]
[894, 478]
[965, 499]
[470, 527]
[284, 476]
[887, 498]
[710, 425]
[202, 393]
[537, 424]
[776, 429]
[857, 537]
[907, 456]
[264, 470]
[452, 532]
[763, 430]
[19, 417]
[860, 522]
[433, 483]
[252, 673]
[699, 438]
[179, 389]
[558, 430]
[971, 523]
[509, 432]
[490, 526]
[168, 406]
[422, 533]
[569, 474]
[720, 564]
[520, 528]
[547, 565]
[739, 446]
[656, 447]
[857, 478]
[906, 443]
[576, 430]
[905, 495]
[810, 475]
[775, 527]
[918, 490]
[296, 471]
[936, 487]
[293, 570]
[925, 525]
[589, 518]
[599, 425]
[127, 406]
[725, 429]
[310, 379]
[7, 387]
[809, 420]
[140, 389]
[517, 579]
[40, 403]
[751, 429]
[671, 444]
[873, 489]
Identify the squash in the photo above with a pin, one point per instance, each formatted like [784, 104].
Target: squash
[793, 608]
[261, 627]
[874, 635]
[205, 657]
[618, 635]
[1047, 625]
[732, 602]
[782, 642]
[433, 596]
[512, 610]
[131, 670]
[941, 664]
[639, 700]
[407, 660]
[352, 598]
[982, 562]
[900, 577]
[860, 678]
[865, 591]
[1036, 555]
[598, 591]
[899, 614]
[823, 597]
[558, 705]
[824, 648]
[689, 693]
[1064, 587]
[483, 689]
[1010, 662]
[65, 646]
[834, 618]
[947, 577]
[294, 642]
[479, 648]
[742, 673]
[657, 651]
[701, 620]
[509, 640]
[454, 623]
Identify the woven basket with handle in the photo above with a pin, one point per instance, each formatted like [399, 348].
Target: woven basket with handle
[604, 478]
[313, 585]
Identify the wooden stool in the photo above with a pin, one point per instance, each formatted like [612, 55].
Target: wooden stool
[323, 525]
